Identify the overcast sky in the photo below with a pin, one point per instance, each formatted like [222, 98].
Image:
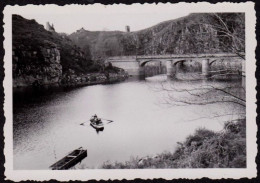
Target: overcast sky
[100, 17]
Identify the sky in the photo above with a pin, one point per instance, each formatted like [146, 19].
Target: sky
[99, 17]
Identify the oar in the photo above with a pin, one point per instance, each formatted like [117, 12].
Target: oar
[83, 123]
[110, 121]
[106, 119]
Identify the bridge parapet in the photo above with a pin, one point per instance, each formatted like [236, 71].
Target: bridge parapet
[118, 58]
[175, 56]
[183, 56]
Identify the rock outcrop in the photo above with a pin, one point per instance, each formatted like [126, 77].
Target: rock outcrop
[43, 57]
[36, 66]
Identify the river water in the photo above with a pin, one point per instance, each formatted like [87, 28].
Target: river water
[47, 122]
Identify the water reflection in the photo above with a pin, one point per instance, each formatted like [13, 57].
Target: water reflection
[99, 130]
[47, 123]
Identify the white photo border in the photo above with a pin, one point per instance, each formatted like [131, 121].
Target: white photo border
[130, 174]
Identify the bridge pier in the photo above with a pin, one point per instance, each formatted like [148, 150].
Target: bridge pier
[205, 68]
[170, 69]
[160, 67]
[141, 71]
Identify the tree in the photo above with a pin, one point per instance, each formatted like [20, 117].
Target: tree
[230, 28]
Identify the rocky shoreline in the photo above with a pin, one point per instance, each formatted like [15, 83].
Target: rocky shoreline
[93, 78]
[73, 80]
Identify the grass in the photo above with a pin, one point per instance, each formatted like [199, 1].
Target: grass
[203, 149]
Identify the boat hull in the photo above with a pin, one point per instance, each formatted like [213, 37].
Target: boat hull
[98, 127]
[70, 160]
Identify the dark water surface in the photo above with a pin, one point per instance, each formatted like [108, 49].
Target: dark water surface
[47, 122]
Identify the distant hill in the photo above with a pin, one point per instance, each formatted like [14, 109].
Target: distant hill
[195, 33]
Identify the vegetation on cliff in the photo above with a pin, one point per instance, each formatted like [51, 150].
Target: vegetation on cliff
[203, 149]
[28, 35]
[47, 57]
[195, 33]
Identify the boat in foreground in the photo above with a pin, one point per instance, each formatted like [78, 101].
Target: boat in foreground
[70, 160]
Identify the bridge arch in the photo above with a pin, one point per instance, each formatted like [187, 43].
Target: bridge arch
[170, 64]
[179, 61]
[143, 63]
[211, 62]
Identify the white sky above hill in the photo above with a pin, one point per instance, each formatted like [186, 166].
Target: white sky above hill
[100, 17]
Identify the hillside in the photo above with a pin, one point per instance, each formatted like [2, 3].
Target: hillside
[203, 149]
[195, 33]
[43, 56]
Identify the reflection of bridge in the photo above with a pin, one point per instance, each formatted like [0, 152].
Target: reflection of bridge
[134, 65]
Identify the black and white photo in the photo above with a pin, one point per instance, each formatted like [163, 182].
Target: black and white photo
[159, 90]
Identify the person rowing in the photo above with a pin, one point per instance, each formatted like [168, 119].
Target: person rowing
[96, 119]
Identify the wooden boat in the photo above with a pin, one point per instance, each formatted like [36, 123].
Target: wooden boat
[97, 123]
[98, 126]
[70, 160]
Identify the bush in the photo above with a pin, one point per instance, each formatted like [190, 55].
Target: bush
[204, 149]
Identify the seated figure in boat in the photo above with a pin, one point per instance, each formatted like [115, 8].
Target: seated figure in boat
[96, 119]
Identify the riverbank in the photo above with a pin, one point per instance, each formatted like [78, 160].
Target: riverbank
[73, 80]
[203, 149]
[92, 79]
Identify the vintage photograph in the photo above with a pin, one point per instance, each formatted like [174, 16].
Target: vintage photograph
[129, 87]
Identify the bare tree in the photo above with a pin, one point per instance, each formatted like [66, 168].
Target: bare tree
[203, 94]
[230, 30]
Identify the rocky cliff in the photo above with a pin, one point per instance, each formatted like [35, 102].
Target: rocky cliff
[29, 69]
[195, 33]
[42, 57]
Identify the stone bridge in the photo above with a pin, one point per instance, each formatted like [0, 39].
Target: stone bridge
[134, 65]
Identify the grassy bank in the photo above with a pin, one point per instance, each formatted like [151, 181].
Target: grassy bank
[203, 149]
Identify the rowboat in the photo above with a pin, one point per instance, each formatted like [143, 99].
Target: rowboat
[96, 123]
[98, 126]
[70, 160]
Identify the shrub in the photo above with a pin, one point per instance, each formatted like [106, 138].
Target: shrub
[203, 149]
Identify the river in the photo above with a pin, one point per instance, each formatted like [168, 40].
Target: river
[47, 122]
